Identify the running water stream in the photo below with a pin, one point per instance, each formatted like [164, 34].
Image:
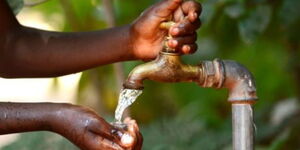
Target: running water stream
[126, 98]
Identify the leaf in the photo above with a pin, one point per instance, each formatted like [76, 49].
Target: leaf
[255, 23]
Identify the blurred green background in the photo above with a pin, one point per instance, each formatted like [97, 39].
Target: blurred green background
[261, 34]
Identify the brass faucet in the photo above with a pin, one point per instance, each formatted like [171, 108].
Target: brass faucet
[167, 67]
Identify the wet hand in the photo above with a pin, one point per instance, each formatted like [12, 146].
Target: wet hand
[87, 130]
[132, 139]
[148, 38]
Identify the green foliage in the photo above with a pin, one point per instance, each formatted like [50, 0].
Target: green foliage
[185, 132]
[40, 141]
[278, 143]
[254, 23]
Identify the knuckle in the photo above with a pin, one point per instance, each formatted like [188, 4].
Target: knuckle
[183, 31]
[199, 7]
[196, 5]
[192, 5]
[190, 2]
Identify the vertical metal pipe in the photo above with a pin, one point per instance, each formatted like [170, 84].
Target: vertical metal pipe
[243, 126]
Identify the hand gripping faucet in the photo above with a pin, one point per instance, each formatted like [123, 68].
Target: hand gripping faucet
[168, 67]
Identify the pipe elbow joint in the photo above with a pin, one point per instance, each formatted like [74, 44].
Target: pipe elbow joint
[231, 75]
[240, 82]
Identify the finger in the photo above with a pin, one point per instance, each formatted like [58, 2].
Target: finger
[157, 14]
[189, 48]
[116, 139]
[113, 135]
[192, 8]
[165, 8]
[133, 130]
[178, 42]
[132, 127]
[127, 120]
[185, 27]
[108, 145]
[178, 15]
[128, 139]
[101, 127]
[139, 143]
[99, 143]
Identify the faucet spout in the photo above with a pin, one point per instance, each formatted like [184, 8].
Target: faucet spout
[167, 67]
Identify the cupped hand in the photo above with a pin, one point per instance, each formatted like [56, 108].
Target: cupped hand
[83, 127]
[147, 37]
[132, 139]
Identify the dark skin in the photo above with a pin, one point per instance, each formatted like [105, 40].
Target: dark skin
[81, 125]
[28, 52]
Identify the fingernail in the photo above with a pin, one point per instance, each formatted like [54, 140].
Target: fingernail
[175, 31]
[186, 49]
[127, 140]
[195, 15]
[117, 133]
[174, 43]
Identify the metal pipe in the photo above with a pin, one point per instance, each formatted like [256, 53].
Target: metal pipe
[242, 95]
[243, 127]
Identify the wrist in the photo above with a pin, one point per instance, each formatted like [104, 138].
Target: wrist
[132, 41]
[51, 117]
[57, 116]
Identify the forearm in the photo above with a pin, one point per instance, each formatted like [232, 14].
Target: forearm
[36, 53]
[25, 117]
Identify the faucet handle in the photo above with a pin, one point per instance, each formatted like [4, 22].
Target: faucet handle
[166, 26]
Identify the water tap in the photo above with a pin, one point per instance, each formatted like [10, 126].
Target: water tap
[168, 67]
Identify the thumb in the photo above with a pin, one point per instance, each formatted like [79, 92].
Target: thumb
[165, 8]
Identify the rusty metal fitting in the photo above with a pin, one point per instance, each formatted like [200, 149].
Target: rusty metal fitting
[240, 82]
[213, 74]
[231, 75]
